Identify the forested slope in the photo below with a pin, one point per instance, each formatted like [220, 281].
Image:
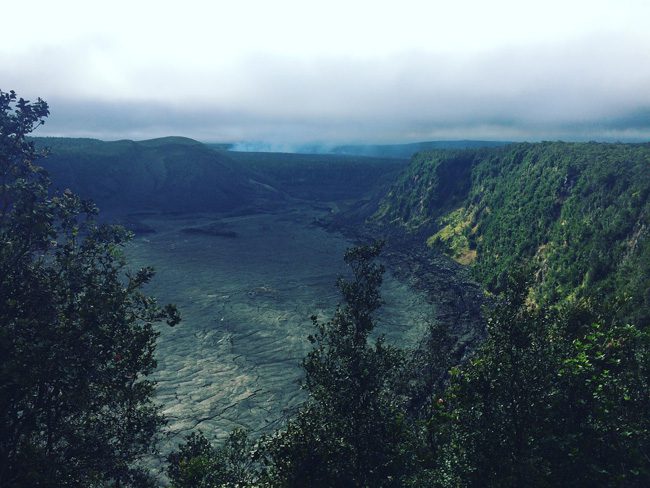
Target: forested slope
[574, 215]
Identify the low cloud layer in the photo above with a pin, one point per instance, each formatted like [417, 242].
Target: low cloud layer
[591, 85]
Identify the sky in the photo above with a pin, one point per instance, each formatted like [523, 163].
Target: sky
[287, 72]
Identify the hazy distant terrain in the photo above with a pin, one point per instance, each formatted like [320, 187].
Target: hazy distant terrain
[408, 150]
[393, 151]
[176, 174]
[319, 177]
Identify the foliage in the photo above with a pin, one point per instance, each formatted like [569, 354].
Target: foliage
[607, 375]
[76, 333]
[558, 393]
[434, 182]
[552, 398]
[197, 464]
[352, 431]
[453, 235]
[496, 403]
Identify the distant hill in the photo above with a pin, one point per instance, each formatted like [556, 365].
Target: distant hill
[395, 151]
[319, 176]
[166, 174]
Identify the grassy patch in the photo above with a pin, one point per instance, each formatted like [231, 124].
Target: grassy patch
[453, 235]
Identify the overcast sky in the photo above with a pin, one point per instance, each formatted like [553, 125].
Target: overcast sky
[288, 71]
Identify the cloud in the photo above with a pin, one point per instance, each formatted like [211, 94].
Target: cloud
[590, 86]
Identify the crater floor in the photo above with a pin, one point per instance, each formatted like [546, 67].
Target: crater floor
[246, 298]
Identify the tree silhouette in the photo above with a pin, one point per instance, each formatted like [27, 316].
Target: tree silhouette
[77, 334]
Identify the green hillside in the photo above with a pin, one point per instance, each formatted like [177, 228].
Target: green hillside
[576, 216]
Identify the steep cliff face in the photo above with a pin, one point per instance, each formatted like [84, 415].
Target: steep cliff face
[433, 183]
[575, 216]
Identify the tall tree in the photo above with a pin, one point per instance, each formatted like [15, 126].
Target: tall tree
[77, 334]
[553, 397]
[351, 431]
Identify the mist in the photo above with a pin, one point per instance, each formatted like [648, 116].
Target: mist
[340, 75]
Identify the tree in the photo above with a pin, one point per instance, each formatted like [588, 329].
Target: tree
[197, 464]
[554, 397]
[498, 401]
[604, 384]
[352, 429]
[77, 334]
